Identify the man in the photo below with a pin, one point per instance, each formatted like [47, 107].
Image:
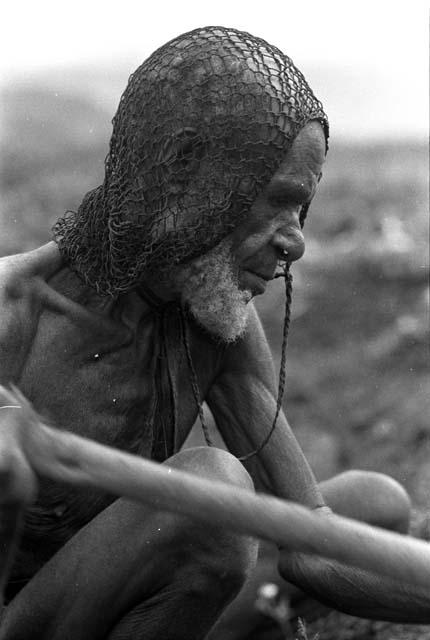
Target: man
[139, 312]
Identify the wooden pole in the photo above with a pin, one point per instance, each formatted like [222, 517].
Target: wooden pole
[63, 456]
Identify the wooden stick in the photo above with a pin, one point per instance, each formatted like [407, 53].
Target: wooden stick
[66, 457]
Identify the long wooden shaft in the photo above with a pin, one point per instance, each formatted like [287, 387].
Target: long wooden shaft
[69, 458]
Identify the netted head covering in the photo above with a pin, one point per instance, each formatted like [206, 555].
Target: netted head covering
[201, 128]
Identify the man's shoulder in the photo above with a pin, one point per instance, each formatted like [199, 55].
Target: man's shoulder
[20, 303]
[20, 269]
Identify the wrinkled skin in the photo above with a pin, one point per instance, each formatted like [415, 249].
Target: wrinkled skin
[92, 566]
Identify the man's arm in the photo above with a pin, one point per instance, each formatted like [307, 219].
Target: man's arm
[17, 480]
[21, 304]
[354, 591]
[243, 402]
[20, 307]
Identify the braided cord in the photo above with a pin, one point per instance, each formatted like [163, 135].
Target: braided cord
[173, 386]
[282, 369]
[194, 382]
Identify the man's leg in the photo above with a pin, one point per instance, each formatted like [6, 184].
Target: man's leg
[136, 572]
[370, 497]
[367, 496]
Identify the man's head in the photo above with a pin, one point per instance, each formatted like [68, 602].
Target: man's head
[201, 129]
[218, 285]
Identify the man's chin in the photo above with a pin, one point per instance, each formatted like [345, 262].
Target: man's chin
[217, 300]
[226, 327]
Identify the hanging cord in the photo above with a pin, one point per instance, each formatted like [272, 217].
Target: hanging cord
[282, 374]
[282, 369]
[194, 382]
[172, 381]
[165, 355]
[161, 357]
[287, 316]
[150, 420]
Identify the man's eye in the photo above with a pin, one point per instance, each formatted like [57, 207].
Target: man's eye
[279, 200]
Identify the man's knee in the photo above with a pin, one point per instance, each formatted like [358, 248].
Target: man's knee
[370, 496]
[218, 561]
[212, 463]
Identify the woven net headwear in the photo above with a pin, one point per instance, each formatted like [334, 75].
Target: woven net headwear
[202, 126]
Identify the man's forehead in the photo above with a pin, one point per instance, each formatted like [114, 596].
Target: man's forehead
[306, 156]
[309, 145]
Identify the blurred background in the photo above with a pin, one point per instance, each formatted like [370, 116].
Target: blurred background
[358, 376]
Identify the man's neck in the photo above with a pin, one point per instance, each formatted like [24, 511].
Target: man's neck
[158, 291]
[129, 307]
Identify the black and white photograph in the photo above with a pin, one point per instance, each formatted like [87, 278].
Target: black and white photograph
[214, 320]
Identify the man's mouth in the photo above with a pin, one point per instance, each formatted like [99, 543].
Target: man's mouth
[254, 281]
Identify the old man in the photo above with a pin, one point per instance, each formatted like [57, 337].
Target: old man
[138, 312]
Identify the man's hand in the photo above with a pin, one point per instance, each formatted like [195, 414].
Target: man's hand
[354, 591]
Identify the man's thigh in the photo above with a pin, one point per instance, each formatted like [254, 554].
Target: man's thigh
[126, 554]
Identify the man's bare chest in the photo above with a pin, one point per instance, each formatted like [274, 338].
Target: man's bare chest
[110, 388]
[87, 381]
[111, 385]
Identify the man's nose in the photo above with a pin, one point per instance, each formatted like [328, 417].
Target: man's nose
[290, 239]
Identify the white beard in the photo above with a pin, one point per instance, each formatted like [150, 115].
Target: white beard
[210, 288]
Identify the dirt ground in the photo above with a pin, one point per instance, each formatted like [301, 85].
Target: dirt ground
[358, 369]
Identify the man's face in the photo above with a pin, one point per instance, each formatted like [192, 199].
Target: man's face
[218, 285]
[273, 224]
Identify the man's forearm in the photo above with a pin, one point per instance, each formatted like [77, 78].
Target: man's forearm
[284, 470]
[243, 400]
[280, 468]
[286, 475]
[356, 592]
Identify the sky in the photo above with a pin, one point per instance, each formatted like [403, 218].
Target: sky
[367, 61]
